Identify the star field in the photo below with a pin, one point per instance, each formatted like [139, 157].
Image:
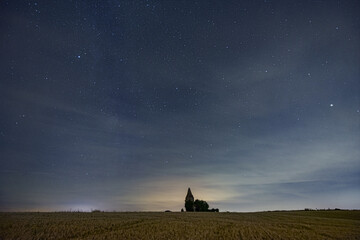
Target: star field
[123, 105]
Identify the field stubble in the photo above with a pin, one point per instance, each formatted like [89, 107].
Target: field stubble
[208, 225]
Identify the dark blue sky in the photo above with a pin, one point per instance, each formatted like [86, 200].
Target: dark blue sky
[123, 105]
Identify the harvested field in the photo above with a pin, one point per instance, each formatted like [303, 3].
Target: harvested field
[158, 225]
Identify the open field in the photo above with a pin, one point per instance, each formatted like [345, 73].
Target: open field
[208, 225]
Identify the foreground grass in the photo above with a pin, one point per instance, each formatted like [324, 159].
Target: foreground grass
[261, 225]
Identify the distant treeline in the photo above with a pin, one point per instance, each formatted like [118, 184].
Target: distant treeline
[323, 209]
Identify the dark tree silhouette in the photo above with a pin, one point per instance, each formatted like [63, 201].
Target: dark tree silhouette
[189, 201]
[214, 210]
[197, 205]
[189, 206]
[201, 206]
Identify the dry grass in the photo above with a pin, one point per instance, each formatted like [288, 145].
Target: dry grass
[262, 225]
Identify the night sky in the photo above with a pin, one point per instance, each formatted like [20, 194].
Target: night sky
[123, 105]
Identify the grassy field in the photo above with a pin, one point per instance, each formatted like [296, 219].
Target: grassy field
[261, 225]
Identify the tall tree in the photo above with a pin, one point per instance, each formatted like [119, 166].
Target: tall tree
[189, 206]
[189, 201]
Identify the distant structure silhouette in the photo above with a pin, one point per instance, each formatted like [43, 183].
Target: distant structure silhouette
[189, 201]
[189, 196]
[197, 205]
